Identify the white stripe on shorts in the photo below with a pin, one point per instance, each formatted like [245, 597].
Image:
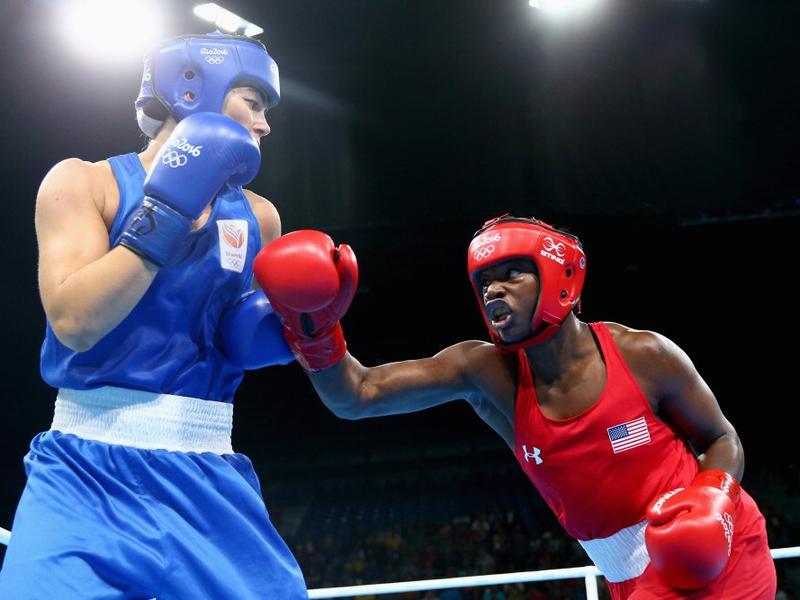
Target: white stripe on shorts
[145, 420]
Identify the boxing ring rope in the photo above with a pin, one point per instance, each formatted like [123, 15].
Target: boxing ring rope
[589, 574]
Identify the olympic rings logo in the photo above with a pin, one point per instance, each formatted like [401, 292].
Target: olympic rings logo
[215, 60]
[173, 159]
[550, 246]
[483, 253]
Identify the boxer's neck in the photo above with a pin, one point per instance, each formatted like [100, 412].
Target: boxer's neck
[553, 358]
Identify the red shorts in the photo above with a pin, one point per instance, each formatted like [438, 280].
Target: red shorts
[749, 574]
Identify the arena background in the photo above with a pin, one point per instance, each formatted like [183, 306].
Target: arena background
[664, 133]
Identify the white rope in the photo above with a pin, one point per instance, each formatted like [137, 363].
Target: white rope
[589, 574]
[453, 582]
[792, 552]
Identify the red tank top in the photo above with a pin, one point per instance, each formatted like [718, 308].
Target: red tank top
[599, 470]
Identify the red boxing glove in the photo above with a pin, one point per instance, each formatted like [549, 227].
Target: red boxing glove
[310, 284]
[690, 531]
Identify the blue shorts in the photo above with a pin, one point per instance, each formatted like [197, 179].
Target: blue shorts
[102, 521]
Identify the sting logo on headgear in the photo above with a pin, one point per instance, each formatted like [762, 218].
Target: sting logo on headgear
[553, 250]
[560, 264]
[550, 246]
[192, 73]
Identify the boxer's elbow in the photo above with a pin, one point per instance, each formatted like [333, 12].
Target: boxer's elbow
[347, 389]
[76, 334]
[350, 405]
[344, 411]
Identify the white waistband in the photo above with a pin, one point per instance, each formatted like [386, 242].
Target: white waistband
[145, 419]
[620, 556]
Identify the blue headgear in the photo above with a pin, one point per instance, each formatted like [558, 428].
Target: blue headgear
[192, 73]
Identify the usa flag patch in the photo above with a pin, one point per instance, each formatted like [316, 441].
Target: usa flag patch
[629, 435]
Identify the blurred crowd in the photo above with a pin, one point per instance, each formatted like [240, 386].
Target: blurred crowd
[447, 526]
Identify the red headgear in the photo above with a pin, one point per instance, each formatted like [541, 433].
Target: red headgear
[559, 260]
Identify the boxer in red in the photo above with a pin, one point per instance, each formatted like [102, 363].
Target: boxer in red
[614, 426]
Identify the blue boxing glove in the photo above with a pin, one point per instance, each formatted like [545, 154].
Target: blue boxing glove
[252, 334]
[205, 151]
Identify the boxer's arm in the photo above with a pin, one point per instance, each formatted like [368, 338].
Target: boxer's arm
[683, 400]
[352, 391]
[690, 529]
[86, 289]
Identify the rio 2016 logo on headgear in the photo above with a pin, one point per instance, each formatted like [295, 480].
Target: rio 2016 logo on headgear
[483, 247]
[483, 253]
[214, 56]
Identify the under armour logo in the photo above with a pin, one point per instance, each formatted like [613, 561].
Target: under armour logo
[551, 246]
[535, 455]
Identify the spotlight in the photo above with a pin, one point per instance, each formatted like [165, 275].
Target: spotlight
[225, 20]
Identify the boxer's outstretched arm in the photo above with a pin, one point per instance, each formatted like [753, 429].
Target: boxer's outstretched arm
[353, 391]
[310, 308]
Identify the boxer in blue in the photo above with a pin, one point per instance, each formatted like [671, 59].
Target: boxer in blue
[145, 274]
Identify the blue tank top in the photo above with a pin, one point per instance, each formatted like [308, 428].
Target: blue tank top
[169, 343]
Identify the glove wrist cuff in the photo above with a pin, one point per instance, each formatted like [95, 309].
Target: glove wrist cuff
[154, 231]
[719, 480]
[324, 350]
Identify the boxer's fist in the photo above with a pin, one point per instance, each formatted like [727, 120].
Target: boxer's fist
[310, 283]
[690, 531]
[205, 151]
[252, 334]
